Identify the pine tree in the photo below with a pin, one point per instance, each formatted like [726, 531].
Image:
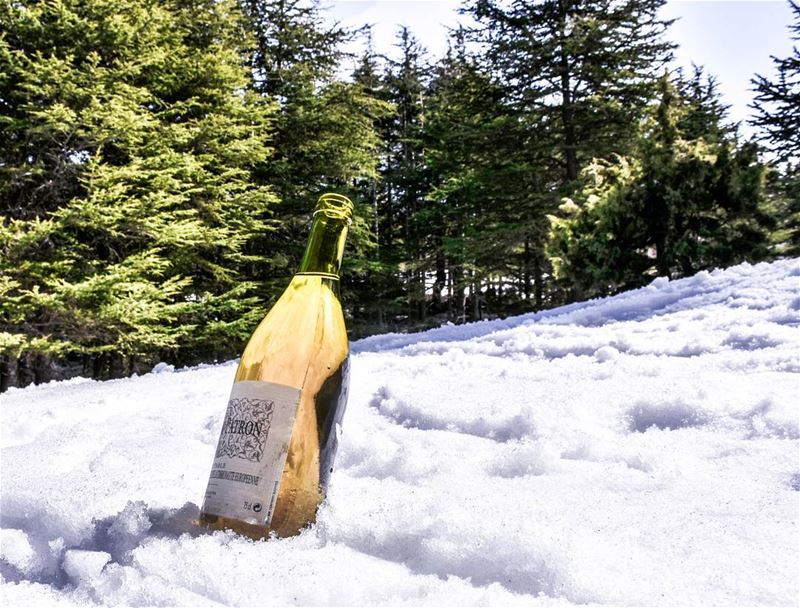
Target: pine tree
[473, 224]
[783, 192]
[704, 114]
[323, 132]
[373, 284]
[585, 68]
[675, 206]
[396, 195]
[777, 102]
[126, 184]
[577, 76]
[777, 116]
[405, 83]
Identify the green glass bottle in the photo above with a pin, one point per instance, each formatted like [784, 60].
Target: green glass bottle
[280, 434]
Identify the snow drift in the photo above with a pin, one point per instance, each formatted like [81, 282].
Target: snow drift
[641, 449]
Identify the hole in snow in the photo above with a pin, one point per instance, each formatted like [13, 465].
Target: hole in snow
[666, 416]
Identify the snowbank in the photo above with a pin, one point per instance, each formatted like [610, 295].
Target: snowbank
[638, 450]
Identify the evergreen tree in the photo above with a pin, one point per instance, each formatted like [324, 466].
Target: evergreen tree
[675, 206]
[783, 192]
[777, 115]
[323, 133]
[473, 224]
[128, 148]
[577, 76]
[376, 291]
[584, 68]
[703, 113]
[405, 178]
[777, 102]
[396, 195]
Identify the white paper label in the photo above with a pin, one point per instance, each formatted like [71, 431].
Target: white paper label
[251, 452]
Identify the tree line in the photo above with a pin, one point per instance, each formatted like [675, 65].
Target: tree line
[159, 161]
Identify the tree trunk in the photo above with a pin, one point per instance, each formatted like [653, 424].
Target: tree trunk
[526, 271]
[450, 294]
[116, 365]
[460, 294]
[376, 226]
[421, 301]
[40, 371]
[441, 276]
[662, 261]
[99, 366]
[389, 228]
[537, 284]
[567, 108]
[5, 372]
[476, 300]
[24, 375]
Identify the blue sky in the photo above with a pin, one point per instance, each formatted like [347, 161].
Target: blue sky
[732, 39]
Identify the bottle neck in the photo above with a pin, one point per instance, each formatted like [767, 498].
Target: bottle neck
[325, 246]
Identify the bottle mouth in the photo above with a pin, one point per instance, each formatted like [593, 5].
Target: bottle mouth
[335, 206]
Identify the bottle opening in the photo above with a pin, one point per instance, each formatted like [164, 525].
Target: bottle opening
[335, 206]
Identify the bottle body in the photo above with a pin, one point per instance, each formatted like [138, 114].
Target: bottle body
[280, 433]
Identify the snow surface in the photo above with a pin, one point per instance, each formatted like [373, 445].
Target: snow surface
[636, 450]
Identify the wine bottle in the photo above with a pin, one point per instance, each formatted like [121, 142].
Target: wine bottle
[280, 433]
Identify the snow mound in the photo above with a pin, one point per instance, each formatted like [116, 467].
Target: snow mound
[639, 449]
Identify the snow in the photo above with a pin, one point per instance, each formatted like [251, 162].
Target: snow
[161, 367]
[635, 450]
[84, 566]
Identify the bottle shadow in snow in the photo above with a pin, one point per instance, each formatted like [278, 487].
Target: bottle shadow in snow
[43, 560]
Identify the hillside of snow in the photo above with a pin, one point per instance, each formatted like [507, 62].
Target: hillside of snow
[636, 450]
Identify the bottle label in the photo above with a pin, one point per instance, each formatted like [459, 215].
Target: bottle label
[251, 452]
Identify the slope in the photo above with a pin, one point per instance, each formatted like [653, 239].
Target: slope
[639, 449]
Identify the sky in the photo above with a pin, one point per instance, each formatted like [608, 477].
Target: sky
[732, 39]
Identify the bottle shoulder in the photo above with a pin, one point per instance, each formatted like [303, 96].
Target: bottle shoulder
[305, 328]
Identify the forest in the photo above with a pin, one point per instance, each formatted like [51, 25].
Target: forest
[160, 160]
